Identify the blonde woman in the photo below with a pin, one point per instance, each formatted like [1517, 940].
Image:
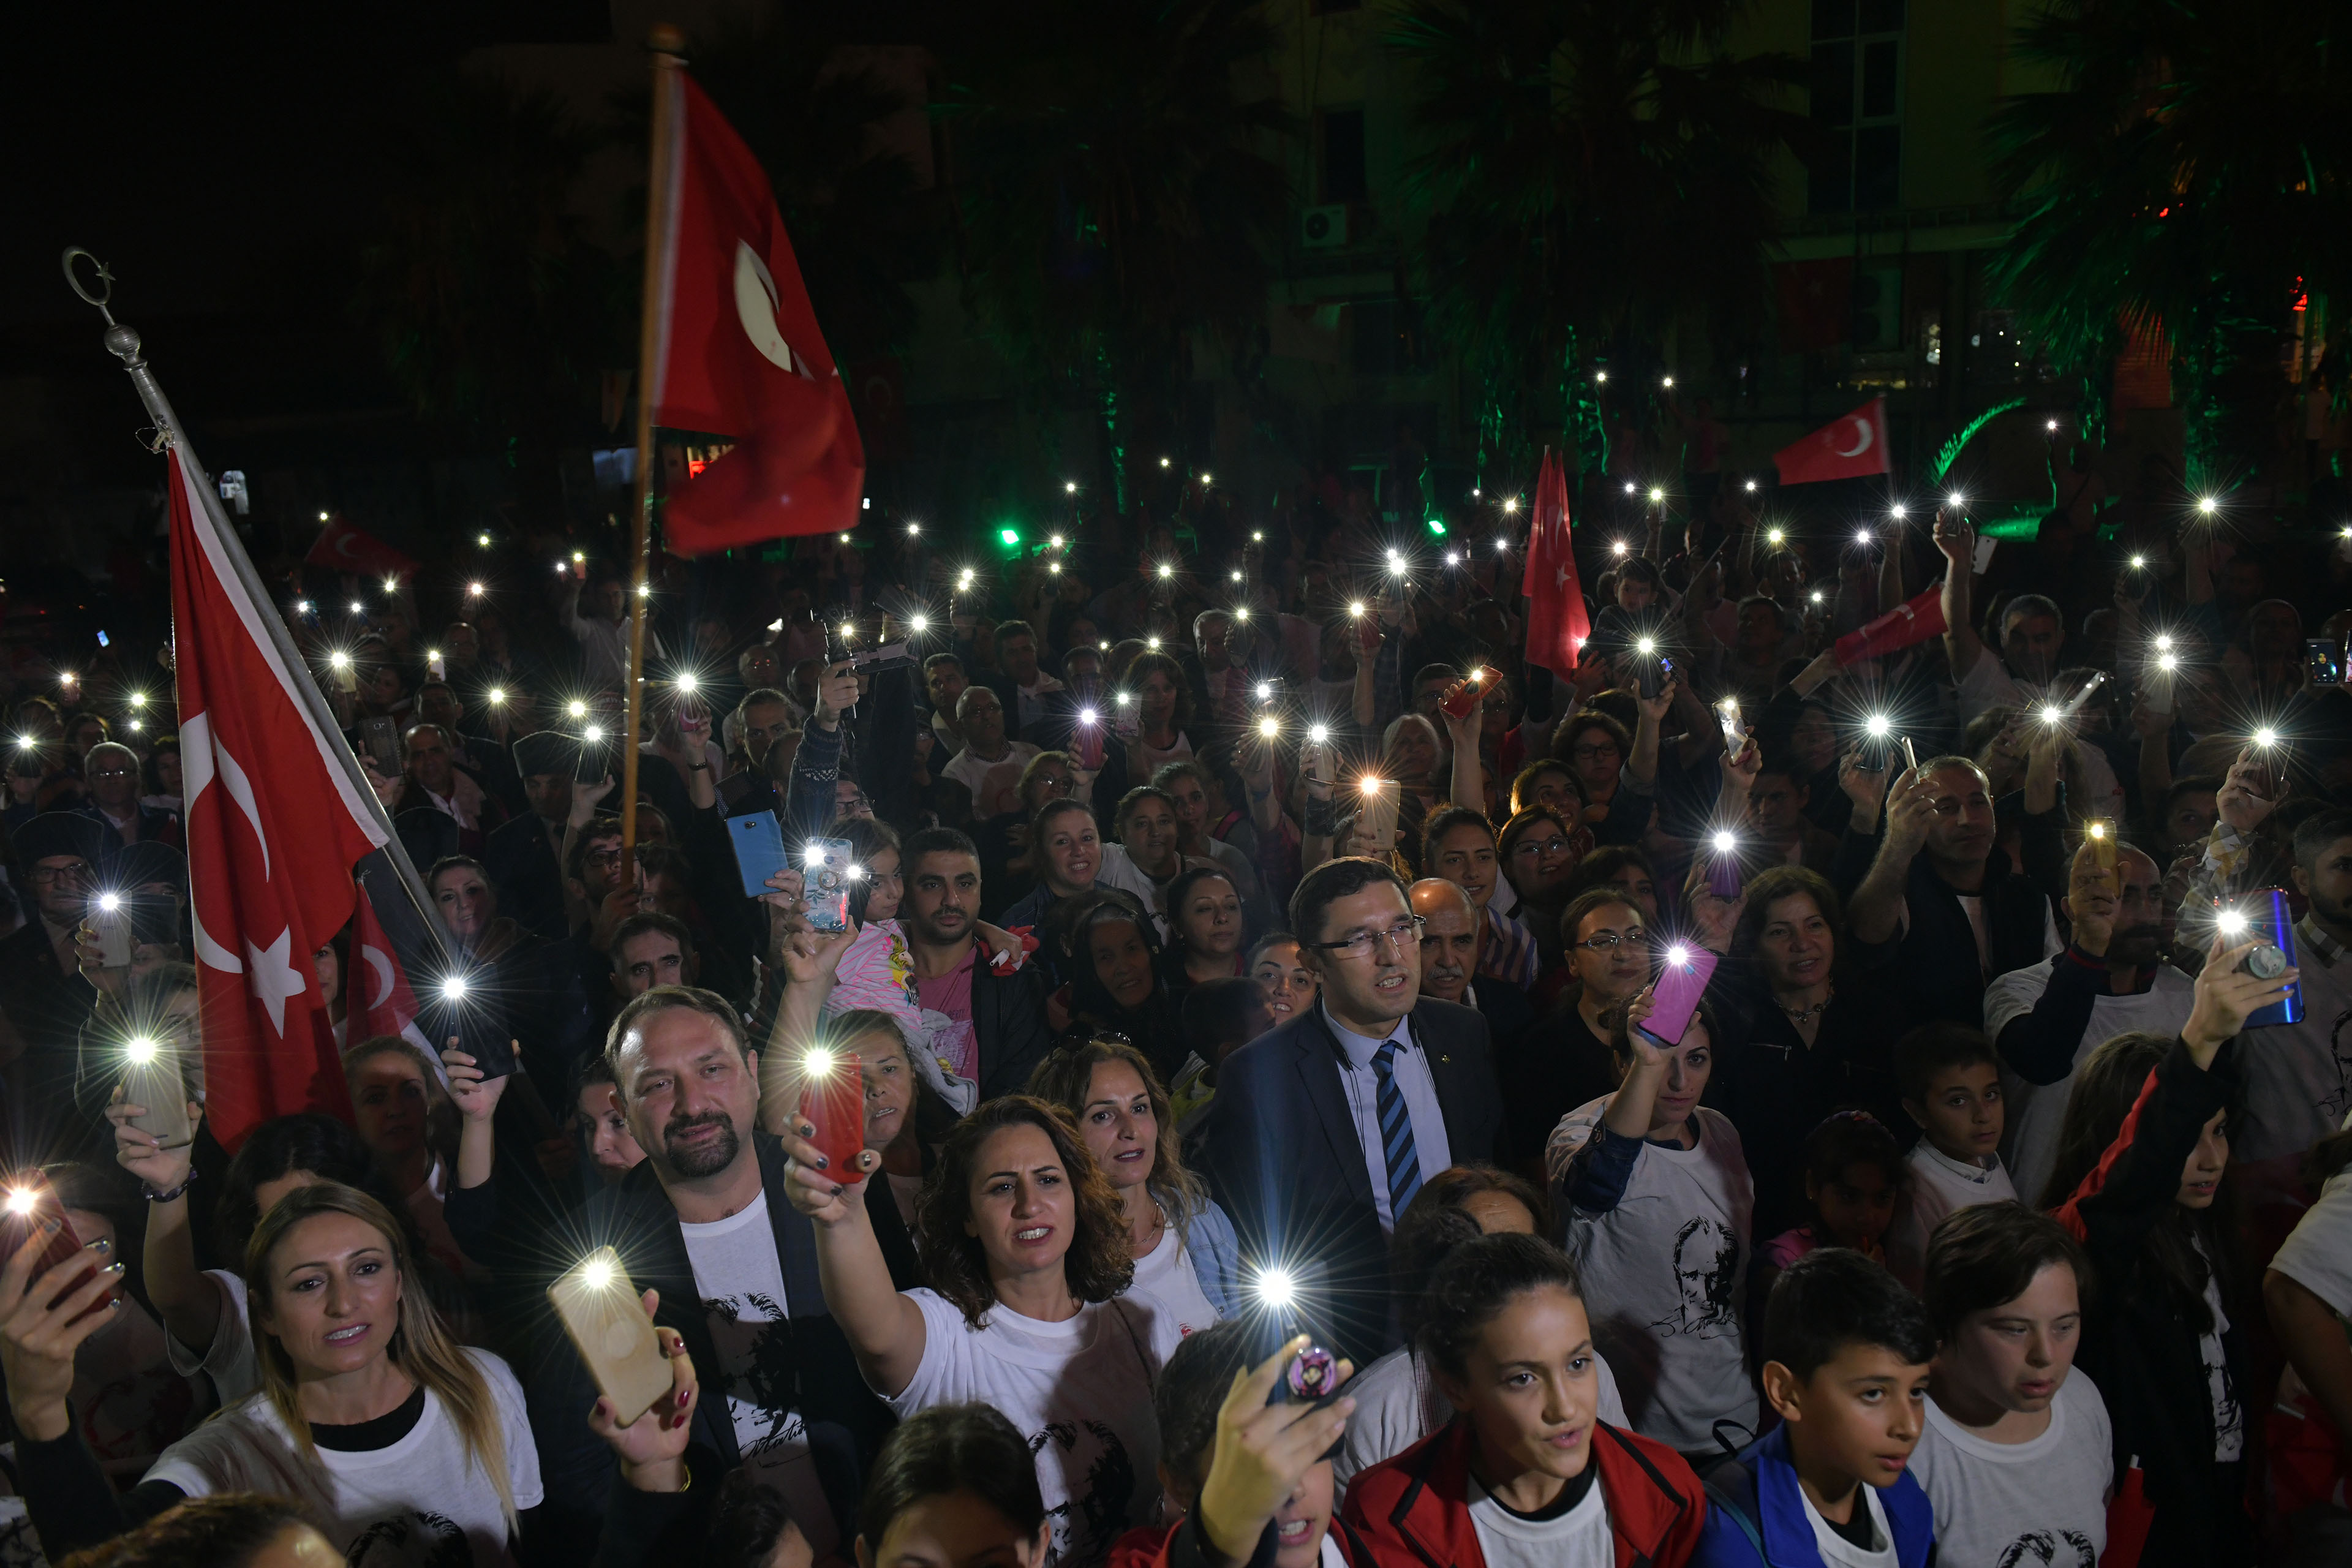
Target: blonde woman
[1187, 1258]
[368, 1415]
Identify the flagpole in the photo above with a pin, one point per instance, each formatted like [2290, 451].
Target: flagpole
[123, 343]
[665, 42]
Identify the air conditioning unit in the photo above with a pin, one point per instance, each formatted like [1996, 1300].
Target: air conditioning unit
[1323, 228]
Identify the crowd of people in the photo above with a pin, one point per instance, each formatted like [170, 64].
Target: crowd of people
[1236, 1062]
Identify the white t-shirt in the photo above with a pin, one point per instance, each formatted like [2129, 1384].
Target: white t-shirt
[2041, 1501]
[229, 1361]
[1119, 870]
[2033, 1112]
[2317, 1255]
[1398, 1404]
[1577, 1539]
[969, 770]
[1836, 1550]
[420, 1503]
[1940, 1185]
[1167, 1290]
[1665, 1276]
[742, 1283]
[1079, 1391]
[2229, 1410]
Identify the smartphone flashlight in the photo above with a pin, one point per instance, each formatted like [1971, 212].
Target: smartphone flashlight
[1725, 843]
[919, 623]
[1619, 547]
[685, 681]
[497, 696]
[1678, 955]
[576, 707]
[2052, 714]
[1371, 785]
[1645, 648]
[1877, 724]
[1089, 716]
[1319, 733]
[2231, 922]
[1275, 1288]
[594, 735]
[1269, 728]
[1356, 608]
[1775, 536]
[453, 988]
[139, 1050]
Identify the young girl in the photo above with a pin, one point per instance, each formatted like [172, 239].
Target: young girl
[954, 1484]
[2140, 1155]
[1853, 1174]
[1398, 1402]
[1290, 987]
[368, 1412]
[1659, 1202]
[1187, 1258]
[1526, 1473]
[1025, 1243]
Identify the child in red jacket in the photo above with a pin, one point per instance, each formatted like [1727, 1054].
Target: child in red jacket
[1525, 1475]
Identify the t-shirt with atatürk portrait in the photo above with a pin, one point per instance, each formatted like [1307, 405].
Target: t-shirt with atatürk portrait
[742, 1283]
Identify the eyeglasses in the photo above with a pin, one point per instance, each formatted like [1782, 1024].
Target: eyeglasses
[1592, 753]
[1607, 941]
[1364, 944]
[1555, 845]
[45, 875]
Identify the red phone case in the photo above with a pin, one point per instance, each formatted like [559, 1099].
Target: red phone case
[835, 1104]
[18, 1229]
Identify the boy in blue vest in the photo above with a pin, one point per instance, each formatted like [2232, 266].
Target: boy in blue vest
[1846, 1355]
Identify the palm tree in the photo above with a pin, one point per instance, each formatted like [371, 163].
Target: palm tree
[1114, 198]
[494, 312]
[2192, 177]
[1586, 172]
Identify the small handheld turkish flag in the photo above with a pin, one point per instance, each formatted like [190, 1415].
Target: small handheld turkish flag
[342, 548]
[1558, 625]
[740, 354]
[1914, 621]
[1852, 447]
[274, 825]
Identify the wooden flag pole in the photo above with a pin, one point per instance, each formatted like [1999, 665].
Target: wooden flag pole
[666, 42]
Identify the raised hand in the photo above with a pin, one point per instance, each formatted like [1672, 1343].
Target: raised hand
[41, 1326]
[476, 1096]
[2227, 996]
[1260, 1453]
[141, 1155]
[2092, 890]
[2243, 801]
[585, 796]
[827, 1196]
[1910, 806]
[836, 693]
[652, 1448]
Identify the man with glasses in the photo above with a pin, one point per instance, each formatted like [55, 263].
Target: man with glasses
[112, 773]
[1323, 1131]
[42, 991]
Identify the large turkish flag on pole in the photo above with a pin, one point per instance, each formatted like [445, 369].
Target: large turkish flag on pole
[1852, 447]
[740, 354]
[274, 826]
[1556, 623]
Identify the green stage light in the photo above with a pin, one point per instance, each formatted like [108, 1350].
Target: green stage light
[1437, 527]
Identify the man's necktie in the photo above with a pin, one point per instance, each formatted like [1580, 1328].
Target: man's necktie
[1396, 1133]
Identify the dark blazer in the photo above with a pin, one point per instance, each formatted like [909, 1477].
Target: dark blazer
[846, 1423]
[522, 866]
[1008, 1023]
[1283, 1152]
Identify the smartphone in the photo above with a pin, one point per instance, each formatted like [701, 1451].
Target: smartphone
[381, 739]
[824, 887]
[110, 918]
[29, 1202]
[599, 1308]
[2100, 835]
[101, 639]
[759, 841]
[1910, 756]
[1312, 1375]
[1650, 676]
[596, 763]
[1125, 722]
[2270, 923]
[1465, 694]
[2325, 657]
[1683, 975]
[889, 656]
[833, 1098]
[152, 1078]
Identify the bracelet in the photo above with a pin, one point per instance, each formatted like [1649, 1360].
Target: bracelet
[153, 1196]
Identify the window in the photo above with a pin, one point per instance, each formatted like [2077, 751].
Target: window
[1343, 155]
[1857, 106]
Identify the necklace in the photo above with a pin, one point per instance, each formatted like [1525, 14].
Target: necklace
[1800, 1017]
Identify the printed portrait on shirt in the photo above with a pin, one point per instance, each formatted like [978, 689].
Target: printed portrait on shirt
[411, 1541]
[1101, 1478]
[2047, 1549]
[2339, 1056]
[1707, 1274]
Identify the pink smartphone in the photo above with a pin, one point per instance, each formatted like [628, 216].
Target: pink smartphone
[1683, 976]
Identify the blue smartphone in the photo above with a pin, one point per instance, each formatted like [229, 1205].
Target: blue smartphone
[759, 841]
[2270, 922]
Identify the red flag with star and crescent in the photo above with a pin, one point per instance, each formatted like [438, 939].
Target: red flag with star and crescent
[1557, 623]
[740, 354]
[274, 827]
[1852, 447]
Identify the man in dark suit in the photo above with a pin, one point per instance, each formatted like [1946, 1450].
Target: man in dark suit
[1322, 1132]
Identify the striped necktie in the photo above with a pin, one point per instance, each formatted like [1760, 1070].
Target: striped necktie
[1396, 1133]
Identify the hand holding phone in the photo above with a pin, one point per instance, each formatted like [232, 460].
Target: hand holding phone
[759, 842]
[833, 1102]
[1682, 980]
[29, 1206]
[608, 1325]
[827, 866]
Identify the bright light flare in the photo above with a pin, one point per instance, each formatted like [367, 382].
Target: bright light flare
[1089, 716]
[109, 902]
[1878, 724]
[2266, 736]
[358, 608]
[2139, 562]
[21, 1199]
[576, 707]
[137, 700]
[2167, 662]
[1619, 547]
[1269, 728]
[1646, 647]
[498, 695]
[685, 681]
[1356, 608]
[474, 590]
[1897, 511]
[1751, 487]
[596, 1274]
[2097, 830]
[1510, 503]
[454, 988]
[302, 607]
[1265, 691]
[1723, 843]
[139, 1050]
[817, 1064]
[2230, 922]
[1319, 733]
[1166, 571]
[813, 856]
[1678, 955]
[1955, 500]
[594, 735]
[1863, 538]
[1275, 1285]
[2052, 714]
[2207, 505]
[919, 623]
[340, 659]
[1658, 493]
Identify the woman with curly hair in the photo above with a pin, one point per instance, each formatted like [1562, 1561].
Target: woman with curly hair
[1187, 1258]
[1026, 1244]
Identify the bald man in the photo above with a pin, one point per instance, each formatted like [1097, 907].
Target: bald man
[1451, 932]
[2046, 1019]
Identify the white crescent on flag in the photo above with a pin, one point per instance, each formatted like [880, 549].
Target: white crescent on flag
[1862, 437]
[755, 302]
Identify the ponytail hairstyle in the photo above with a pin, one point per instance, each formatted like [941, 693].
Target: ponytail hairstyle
[420, 1347]
[1473, 1286]
[1064, 1077]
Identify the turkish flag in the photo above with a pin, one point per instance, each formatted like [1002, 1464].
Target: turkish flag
[1556, 623]
[1914, 621]
[1852, 447]
[274, 826]
[377, 999]
[740, 354]
[346, 549]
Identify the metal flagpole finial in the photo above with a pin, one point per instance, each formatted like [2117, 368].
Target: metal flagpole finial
[120, 341]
